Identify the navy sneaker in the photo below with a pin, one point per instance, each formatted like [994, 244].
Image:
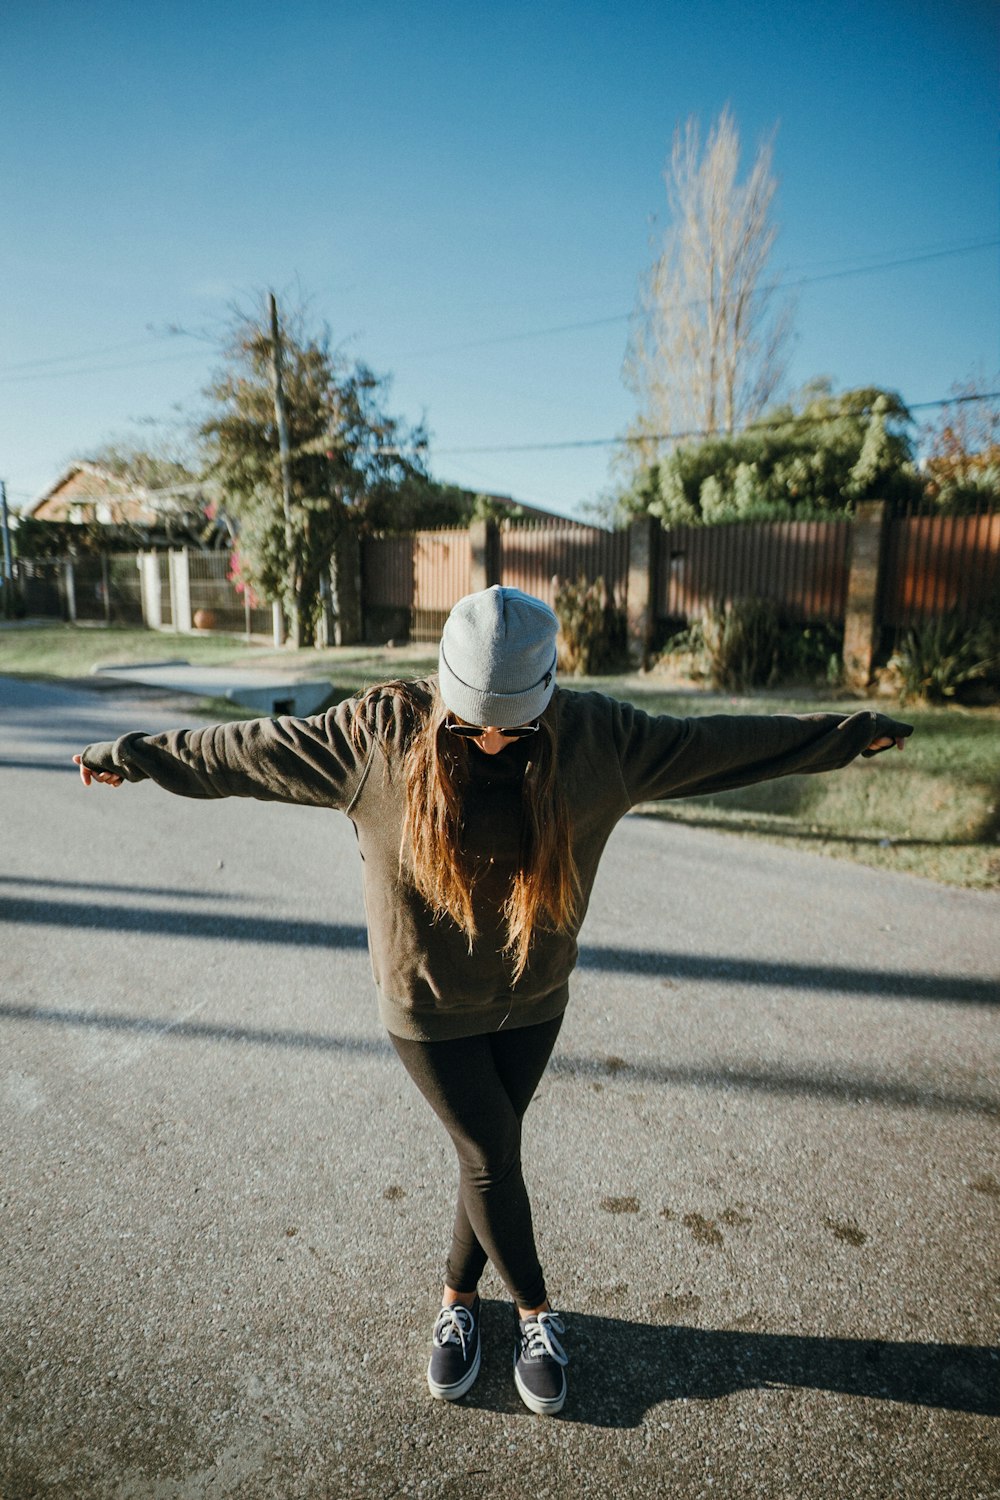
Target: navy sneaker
[455, 1356]
[540, 1363]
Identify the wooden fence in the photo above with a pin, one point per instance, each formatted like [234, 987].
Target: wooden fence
[876, 574]
[410, 582]
[935, 565]
[537, 556]
[930, 565]
[801, 565]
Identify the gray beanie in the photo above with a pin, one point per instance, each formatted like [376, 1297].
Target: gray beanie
[497, 662]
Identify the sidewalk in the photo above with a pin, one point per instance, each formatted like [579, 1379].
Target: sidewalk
[269, 693]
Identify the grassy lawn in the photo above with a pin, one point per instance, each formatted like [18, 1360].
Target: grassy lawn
[60, 651]
[932, 811]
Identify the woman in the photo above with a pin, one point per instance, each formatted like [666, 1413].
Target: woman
[482, 800]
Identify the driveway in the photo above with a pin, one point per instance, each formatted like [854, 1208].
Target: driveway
[764, 1165]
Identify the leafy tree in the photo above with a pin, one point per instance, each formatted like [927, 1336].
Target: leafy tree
[169, 503]
[351, 464]
[165, 477]
[818, 454]
[706, 351]
[415, 502]
[961, 467]
[142, 466]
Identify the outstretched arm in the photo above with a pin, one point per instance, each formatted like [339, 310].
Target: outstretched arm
[318, 761]
[663, 757]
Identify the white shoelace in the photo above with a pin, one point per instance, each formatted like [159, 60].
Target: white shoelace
[454, 1325]
[539, 1336]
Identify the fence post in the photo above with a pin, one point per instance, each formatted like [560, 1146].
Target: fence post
[861, 616]
[641, 586]
[180, 590]
[484, 545]
[277, 623]
[148, 564]
[69, 584]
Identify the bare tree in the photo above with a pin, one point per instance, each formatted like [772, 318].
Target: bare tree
[707, 347]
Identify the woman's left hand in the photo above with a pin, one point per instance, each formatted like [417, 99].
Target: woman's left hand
[884, 742]
[109, 778]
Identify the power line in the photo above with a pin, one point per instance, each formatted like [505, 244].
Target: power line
[38, 369]
[135, 364]
[771, 424]
[893, 265]
[537, 333]
[62, 359]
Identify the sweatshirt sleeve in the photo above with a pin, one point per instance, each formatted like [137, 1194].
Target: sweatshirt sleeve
[316, 762]
[663, 757]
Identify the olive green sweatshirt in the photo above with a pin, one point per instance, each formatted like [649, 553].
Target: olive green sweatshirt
[611, 757]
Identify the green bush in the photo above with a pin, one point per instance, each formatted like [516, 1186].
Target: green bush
[740, 642]
[593, 636]
[812, 653]
[945, 657]
[746, 643]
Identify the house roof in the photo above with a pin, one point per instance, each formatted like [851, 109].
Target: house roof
[168, 499]
[80, 466]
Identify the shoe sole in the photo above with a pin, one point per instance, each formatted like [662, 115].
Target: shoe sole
[453, 1392]
[542, 1406]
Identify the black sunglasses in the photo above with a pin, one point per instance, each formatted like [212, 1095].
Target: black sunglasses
[473, 731]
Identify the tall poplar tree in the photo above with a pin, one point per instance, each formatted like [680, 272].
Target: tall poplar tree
[706, 351]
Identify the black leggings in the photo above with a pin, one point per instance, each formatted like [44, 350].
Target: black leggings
[479, 1087]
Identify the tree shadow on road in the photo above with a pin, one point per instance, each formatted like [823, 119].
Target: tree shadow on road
[737, 969]
[620, 1370]
[846, 1086]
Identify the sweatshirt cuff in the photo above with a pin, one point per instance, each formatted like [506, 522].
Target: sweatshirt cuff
[895, 729]
[107, 755]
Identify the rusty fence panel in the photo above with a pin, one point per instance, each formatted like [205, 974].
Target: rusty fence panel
[386, 587]
[937, 565]
[442, 574]
[387, 571]
[931, 565]
[537, 556]
[800, 565]
[410, 582]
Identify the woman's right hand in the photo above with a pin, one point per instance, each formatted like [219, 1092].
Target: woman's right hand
[109, 778]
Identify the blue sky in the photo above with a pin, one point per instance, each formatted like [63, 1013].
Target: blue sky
[459, 187]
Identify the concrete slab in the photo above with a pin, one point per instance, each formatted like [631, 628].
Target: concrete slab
[264, 691]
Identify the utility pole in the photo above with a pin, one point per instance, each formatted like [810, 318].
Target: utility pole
[8, 567]
[284, 450]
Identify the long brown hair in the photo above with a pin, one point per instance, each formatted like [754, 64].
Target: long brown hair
[545, 891]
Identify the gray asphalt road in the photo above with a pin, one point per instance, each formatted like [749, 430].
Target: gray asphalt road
[764, 1167]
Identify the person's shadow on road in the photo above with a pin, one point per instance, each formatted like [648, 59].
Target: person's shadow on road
[619, 1370]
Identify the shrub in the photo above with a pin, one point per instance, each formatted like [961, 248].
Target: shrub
[592, 631]
[741, 643]
[749, 643]
[941, 658]
[812, 653]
